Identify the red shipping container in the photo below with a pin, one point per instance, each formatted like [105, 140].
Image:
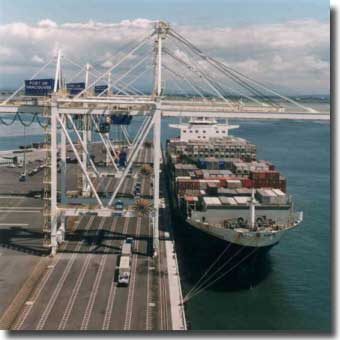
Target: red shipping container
[247, 183]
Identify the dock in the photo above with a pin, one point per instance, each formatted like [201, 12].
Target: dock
[77, 289]
[63, 223]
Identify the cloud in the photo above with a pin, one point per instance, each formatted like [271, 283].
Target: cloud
[47, 23]
[37, 60]
[107, 64]
[294, 54]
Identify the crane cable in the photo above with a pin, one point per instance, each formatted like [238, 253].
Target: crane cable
[3, 121]
[18, 117]
[44, 126]
[229, 71]
[27, 124]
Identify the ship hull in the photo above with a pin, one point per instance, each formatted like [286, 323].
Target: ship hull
[223, 235]
[242, 266]
[247, 239]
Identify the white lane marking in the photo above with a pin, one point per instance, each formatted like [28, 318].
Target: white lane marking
[130, 302]
[3, 217]
[39, 289]
[60, 284]
[36, 294]
[148, 319]
[109, 307]
[10, 211]
[14, 224]
[12, 197]
[75, 291]
[22, 208]
[96, 284]
[112, 294]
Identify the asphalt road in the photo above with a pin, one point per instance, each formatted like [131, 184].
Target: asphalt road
[79, 290]
[20, 244]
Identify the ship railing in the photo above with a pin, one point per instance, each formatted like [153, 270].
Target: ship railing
[246, 225]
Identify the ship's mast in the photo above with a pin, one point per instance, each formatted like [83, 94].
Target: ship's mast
[252, 209]
[24, 150]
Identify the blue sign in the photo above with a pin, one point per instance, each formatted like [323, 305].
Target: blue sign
[75, 88]
[99, 89]
[39, 87]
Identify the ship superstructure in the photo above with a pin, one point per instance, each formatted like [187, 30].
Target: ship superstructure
[223, 190]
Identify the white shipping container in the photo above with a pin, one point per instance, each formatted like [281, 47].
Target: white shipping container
[241, 200]
[264, 197]
[279, 192]
[124, 262]
[227, 201]
[211, 201]
[180, 178]
[233, 184]
[126, 249]
[271, 196]
[281, 197]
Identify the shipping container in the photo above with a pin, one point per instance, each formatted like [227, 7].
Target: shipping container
[233, 184]
[211, 202]
[241, 200]
[227, 200]
[271, 196]
[243, 192]
[226, 192]
[247, 183]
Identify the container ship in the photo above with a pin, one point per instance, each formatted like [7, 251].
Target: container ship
[220, 188]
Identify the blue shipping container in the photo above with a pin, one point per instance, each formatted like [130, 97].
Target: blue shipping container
[39, 87]
[75, 88]
[202, 164]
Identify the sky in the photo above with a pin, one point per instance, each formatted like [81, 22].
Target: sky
[284, 43]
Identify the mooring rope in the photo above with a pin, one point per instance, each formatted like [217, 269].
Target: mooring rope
[213, 274]
[207, 271]
[186, 299]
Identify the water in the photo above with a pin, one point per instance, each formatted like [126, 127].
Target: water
[294, 294]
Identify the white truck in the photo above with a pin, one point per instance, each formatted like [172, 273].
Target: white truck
[124, 270]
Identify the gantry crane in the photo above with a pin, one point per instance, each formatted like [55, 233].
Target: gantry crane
[209, 96]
